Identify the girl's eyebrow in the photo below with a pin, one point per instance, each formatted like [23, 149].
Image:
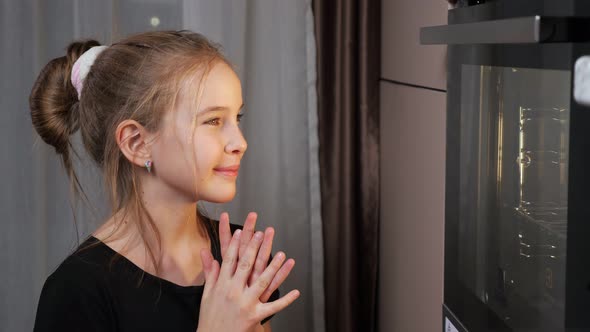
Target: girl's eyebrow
[217, 108]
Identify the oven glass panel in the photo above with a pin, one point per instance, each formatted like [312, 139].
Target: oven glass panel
[513, 191]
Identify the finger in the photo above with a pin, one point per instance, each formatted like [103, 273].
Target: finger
[228, 266]
[263, 255]
[271, 308]
[246, 262]
[224, 232]
[206, 259]
[213, 275]
[261, 284]
[247, 231]
[210, 269]
[278, 279]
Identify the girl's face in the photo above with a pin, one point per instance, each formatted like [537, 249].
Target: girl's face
[198, 151]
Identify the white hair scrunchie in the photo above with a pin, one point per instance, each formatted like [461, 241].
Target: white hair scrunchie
[82, 66]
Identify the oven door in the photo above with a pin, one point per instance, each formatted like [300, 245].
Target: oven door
[517, 217]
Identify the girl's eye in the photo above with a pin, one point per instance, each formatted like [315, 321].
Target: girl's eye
[214, 122]
[240, 117]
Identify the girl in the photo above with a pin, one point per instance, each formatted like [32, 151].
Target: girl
[159, 113]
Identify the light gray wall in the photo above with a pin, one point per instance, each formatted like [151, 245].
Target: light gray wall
[413, 124]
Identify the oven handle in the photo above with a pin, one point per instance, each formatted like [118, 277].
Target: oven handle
[522, 30]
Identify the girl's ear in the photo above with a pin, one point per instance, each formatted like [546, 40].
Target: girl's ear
[133, 140]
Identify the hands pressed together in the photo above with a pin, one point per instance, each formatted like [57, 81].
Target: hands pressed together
[236, 293]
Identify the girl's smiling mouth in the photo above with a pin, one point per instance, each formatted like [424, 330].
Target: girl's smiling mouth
[231, 171]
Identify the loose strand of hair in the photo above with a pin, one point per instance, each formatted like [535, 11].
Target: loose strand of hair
[141, 211]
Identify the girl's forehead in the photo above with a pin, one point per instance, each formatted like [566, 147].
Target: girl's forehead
[219, 87]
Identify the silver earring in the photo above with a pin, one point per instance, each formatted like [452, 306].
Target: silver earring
[148, 165]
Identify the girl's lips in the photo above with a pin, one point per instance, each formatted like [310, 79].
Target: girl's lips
[231, 171]
[227, 173]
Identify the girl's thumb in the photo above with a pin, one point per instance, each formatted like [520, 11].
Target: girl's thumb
[206, 258]
[210, 268]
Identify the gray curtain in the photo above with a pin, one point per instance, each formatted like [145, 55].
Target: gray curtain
[348, 38]
[272, 44]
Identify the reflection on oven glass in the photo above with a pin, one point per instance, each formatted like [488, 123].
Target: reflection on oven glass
[514, 175]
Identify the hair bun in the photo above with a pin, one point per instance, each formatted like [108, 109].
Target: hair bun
[54, 101]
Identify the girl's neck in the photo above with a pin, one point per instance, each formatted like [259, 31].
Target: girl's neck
[178, 228]
[177, 238]
[174, 217]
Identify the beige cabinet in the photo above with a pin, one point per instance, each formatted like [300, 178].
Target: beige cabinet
[403, 59]
[412, 208]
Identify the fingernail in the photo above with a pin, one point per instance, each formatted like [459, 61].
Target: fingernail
[238, 233]
[258, 235]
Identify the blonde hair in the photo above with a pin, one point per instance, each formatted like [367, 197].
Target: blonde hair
[138, 78]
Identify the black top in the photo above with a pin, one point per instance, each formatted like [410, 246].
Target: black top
[91, 292]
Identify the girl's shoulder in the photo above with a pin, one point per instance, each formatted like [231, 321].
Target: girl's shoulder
[87, 264]
[76, 292]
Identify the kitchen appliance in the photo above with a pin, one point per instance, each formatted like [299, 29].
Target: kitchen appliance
[517, 201]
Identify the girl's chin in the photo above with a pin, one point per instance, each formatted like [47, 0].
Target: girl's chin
[217, 201]
[217, 191]
[219, 198]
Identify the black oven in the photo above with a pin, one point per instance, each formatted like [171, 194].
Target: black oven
[517, 201]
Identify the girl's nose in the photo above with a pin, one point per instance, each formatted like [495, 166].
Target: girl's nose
[237, 143]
